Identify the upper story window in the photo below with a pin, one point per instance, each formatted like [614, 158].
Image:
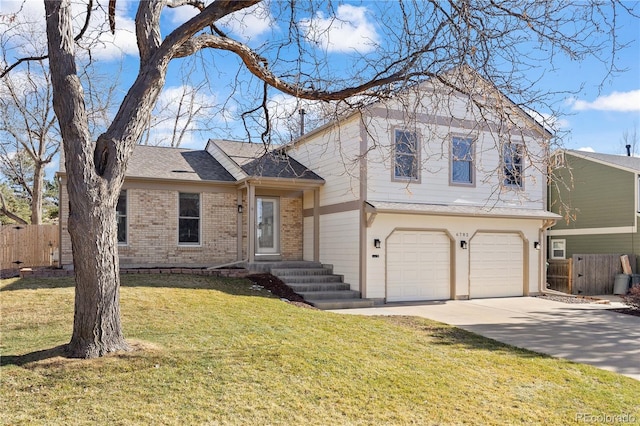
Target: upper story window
[512, 157]
[121, 217]
[462, 169]
[189, 219]
[406, 159]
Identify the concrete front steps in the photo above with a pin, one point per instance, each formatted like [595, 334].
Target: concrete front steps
[316, 283]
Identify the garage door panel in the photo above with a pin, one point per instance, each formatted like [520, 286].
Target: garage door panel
[418, 266]
[496, 265]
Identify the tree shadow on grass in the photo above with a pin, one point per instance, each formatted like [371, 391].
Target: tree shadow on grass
[448, 335]
[233, 286]
[38, 283]
[36, 356]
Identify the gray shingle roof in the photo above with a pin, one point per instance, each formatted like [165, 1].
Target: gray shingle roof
[256, 161]
[157, 162]
[621, 161]
[175, 163]
[241, 152]
[274, 164]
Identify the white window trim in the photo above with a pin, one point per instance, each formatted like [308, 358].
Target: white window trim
[186, 244]
[552, 250]
[126, 229]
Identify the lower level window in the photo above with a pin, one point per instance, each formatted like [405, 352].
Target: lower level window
[121, 217]
[558, 249]
[189, 219]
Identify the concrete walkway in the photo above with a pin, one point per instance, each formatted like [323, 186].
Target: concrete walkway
[585, 333]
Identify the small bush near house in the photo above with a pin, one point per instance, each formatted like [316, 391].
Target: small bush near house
[633, 298]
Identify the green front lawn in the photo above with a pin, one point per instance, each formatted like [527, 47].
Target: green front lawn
[215, 351]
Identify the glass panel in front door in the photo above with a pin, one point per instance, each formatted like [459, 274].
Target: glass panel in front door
[267, 225]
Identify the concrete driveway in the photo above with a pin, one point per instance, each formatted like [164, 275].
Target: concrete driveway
[585, 333]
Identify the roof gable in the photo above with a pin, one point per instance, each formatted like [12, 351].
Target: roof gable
[247, 160]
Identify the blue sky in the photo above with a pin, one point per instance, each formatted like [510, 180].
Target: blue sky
[594, 118]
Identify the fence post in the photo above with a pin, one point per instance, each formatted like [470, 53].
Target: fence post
[570, 275]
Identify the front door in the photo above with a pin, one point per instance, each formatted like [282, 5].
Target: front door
[267, 225]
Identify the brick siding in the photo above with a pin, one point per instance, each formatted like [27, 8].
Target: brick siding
[152, 230]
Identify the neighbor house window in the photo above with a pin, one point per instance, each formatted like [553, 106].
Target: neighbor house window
[462, 161]
[121, 217]
[558, 249]
[189, 219]
[512, 157]
[406, 155]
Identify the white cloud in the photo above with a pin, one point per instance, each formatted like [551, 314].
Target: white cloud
[349, 30]
[250, 23]
[246, 24]
[616, 101]
[27, 30]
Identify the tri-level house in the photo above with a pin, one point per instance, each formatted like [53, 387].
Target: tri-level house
[420, 197]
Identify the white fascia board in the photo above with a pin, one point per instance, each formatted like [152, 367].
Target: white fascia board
[230, 165]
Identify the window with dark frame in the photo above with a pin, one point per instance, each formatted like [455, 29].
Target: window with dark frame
[189, 219]
[462, 160]
[512, 156]
[406, 155]
[121, 217]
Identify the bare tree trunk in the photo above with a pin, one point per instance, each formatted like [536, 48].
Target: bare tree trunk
[96, 325]
[36, 194]
[92, 200]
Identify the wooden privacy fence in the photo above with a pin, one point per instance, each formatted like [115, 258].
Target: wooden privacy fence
[560, 275]
[28, 245]
[586, 274]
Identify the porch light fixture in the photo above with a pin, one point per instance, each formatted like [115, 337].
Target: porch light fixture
[536, 245]
[463, 244]
[376, 243]
[239, 208]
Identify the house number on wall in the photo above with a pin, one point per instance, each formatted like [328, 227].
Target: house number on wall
[462, 234]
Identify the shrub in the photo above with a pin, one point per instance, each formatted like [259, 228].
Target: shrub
[633, 297]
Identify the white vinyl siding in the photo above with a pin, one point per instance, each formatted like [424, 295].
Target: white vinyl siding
[436, 185]
[333, 155]
[339, 244]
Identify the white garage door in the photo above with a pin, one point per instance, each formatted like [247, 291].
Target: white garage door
[496, 265]
[418, 266]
